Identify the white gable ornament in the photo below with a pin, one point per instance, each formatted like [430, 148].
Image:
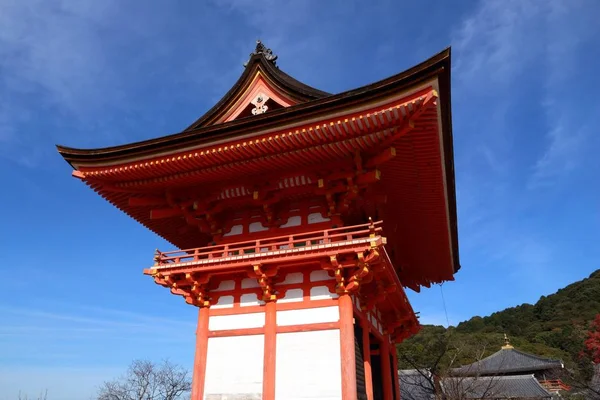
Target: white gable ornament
[259, 103]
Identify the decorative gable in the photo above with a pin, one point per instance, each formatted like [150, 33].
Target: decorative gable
[258, 98]
[261, 88]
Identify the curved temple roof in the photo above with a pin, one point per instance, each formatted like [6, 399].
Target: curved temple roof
[416, 385]
[410, 111]
[506, 361]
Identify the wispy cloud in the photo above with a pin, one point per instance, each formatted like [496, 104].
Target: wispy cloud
[30, 334]
[502, 44]
[59, 382]
[523, 117]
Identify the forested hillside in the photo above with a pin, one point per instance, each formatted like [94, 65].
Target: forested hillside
[554, 327]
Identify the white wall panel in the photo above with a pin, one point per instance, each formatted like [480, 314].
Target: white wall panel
[319, 275]
[257, 227]
[224, 302]
[321, 292]
[238, 321]
[225, 285]
[293, 277]
[234, 368]
[308, 366]
[250, 299]
[308, 316]
[295, 220]
[249, 283]
[292, 295]
[314, 218]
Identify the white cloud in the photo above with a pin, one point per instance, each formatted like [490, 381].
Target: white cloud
[510, 51]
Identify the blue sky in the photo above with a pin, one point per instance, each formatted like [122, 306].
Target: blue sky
[74, 305]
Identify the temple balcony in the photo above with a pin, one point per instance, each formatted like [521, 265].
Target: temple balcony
[295, 247]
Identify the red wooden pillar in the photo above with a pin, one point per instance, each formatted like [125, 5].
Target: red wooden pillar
[270, 351]
[367, 358]
[348, 355]
[201, 352]
[395, 371]
[386, 369]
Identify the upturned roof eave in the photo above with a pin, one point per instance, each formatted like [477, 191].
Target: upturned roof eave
[438, 65]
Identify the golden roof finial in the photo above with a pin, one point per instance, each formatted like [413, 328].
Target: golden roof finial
[507, 344]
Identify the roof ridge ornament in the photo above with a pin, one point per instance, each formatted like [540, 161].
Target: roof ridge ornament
[266, 53]
[507, 344]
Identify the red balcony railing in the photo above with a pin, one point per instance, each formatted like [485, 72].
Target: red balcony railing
[555, 385]
[260, 247]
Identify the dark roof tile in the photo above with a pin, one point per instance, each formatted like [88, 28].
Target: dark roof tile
[508, 361]
[495, 387]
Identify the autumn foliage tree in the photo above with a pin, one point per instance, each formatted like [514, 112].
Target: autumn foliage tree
[592, 342]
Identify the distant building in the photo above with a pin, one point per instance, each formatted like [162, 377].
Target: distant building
[509, 361]
[418, 385]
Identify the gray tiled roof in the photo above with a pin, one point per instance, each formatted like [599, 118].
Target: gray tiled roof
[414, 385]
[499, 387]
[508, 361]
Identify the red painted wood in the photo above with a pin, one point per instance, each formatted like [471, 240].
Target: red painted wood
[386, 371]
[319, 326]
[296, 305]
[395, 371]
[236, 332]
[270, 348]
[199, 373]
[348, 356]
[367, 358]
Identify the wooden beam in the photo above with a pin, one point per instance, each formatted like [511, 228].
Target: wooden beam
[386, 369]
[270, 348]
[369, 177]
[199, 374]
[381, 158]
[161, 213]
[348, 356]
[147, 201]
[366, 343]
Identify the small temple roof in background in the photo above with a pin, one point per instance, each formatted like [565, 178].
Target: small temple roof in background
[496, 387]
[508, 360]
[416, 385]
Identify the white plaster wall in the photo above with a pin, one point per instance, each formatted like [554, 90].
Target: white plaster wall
[292, 295]
[314, 218]
[308, 316]
[250, 299]
[225, 285]
[319, 275]
[234, 368]
[293, 277]
[224, 302]
[257, 227]
[321, 293]
[249, 283]
[308, 366]
[235, 230]
[295, 220]
[238, 321]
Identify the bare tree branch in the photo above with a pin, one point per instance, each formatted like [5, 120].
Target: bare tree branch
[145, 380]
